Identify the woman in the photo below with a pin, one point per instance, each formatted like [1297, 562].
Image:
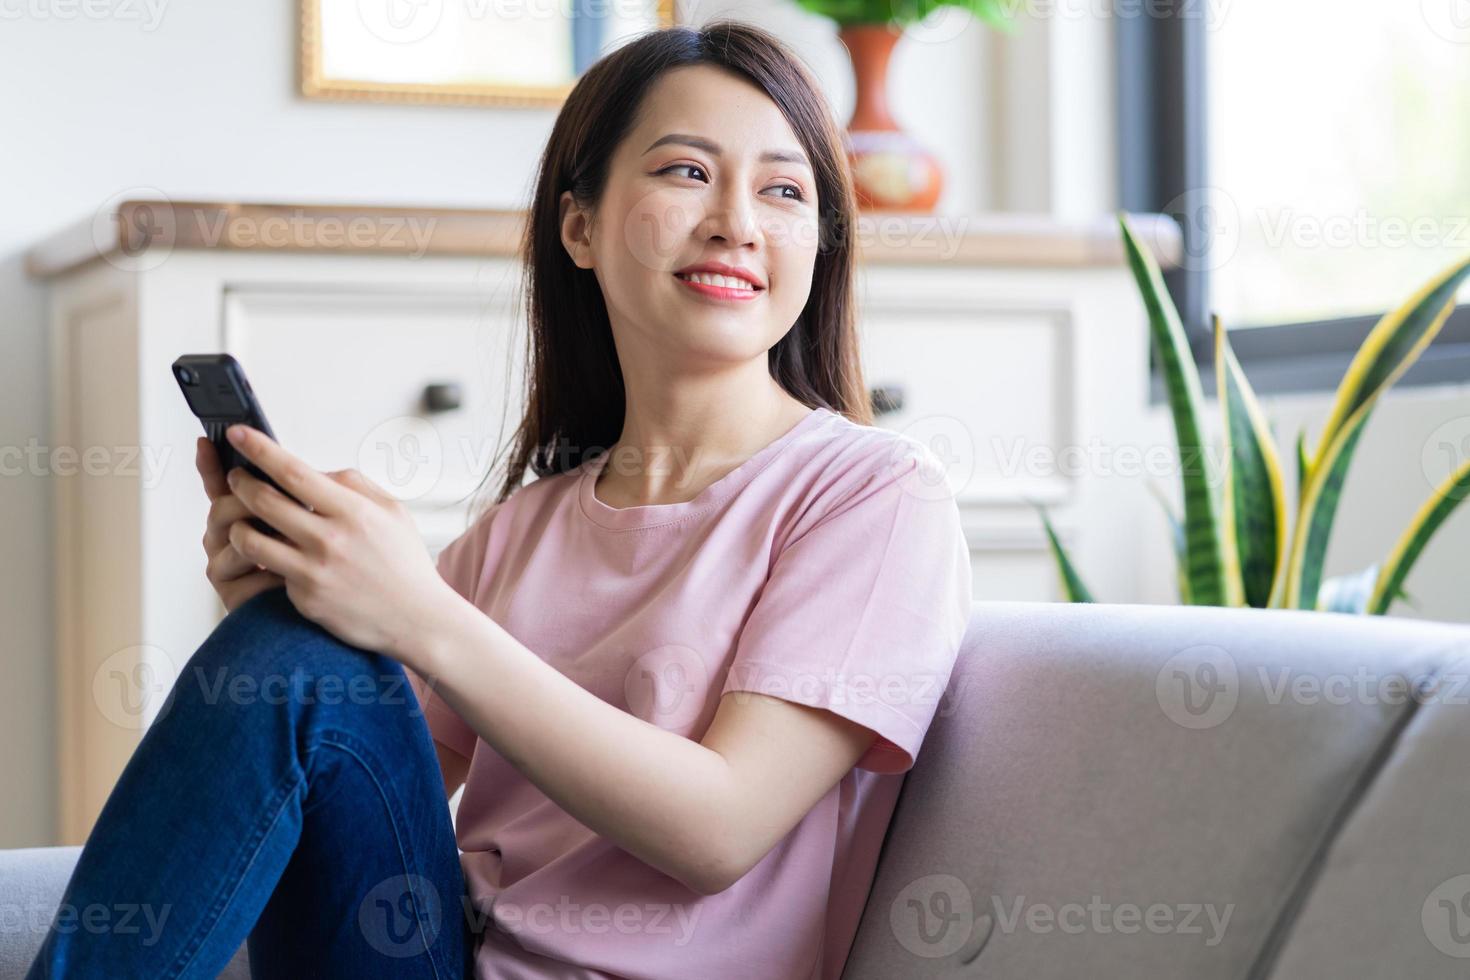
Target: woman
[679, 674]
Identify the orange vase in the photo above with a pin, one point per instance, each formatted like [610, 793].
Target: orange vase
[891, 171]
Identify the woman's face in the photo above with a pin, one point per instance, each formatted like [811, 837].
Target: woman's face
[710, 173]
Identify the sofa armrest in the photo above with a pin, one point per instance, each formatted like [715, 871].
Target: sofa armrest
[32, 881]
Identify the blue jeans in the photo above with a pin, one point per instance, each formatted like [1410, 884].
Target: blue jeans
[289, 792]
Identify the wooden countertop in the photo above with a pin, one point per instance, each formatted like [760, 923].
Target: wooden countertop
[995, 239]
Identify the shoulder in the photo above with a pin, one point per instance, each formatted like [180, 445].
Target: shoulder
[847, 463]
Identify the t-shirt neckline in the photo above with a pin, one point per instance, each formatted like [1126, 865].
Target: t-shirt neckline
[653, 515]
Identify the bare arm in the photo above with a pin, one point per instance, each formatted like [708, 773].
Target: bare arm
[702, 813]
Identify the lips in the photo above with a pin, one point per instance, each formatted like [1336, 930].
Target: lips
[720, 288]
[708, 280]
[745, 277]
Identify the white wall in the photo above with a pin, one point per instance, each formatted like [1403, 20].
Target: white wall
[202, 106]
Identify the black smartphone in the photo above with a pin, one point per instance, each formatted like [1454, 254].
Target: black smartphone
[219, 394]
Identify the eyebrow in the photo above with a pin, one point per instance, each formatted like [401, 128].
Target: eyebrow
[712, 148]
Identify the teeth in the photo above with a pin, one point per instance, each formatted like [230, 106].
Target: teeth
[710, 279]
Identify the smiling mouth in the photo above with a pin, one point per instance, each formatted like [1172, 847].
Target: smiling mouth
[719, 287]
[715, 279]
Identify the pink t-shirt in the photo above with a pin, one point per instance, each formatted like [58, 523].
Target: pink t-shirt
[829, 569]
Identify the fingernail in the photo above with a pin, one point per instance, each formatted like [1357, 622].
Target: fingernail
[233, 477]
[236, 434]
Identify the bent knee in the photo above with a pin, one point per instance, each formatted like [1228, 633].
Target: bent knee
[266, 638]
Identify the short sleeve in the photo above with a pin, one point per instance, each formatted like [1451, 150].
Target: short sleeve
[459, 564]
[863, 614]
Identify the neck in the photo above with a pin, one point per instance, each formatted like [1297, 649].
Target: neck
[671, 448]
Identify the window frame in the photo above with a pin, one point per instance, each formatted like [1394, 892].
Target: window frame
[1162, 125]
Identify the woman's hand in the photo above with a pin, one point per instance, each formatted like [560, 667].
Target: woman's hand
[355, 563]
[235, 578]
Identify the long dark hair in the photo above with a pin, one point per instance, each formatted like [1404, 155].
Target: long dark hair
[574, 390]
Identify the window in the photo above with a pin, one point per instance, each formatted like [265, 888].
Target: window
[1316, 155]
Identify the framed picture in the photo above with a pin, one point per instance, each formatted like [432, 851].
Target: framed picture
[462, 52]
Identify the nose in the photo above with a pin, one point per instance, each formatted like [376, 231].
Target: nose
[732, 218]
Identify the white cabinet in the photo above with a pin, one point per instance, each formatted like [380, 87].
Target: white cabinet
[1027, 339]
[344, 372]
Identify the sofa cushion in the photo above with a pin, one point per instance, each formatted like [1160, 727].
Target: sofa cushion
[1391, 897]
[1124, 791]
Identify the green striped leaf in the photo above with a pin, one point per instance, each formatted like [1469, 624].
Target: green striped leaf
[1318, 511]
[1071, 582]
[1204, 561]
[1391, 347]
[1303, 466]
[1445, 498]
[1389, 350]
[1253, 508]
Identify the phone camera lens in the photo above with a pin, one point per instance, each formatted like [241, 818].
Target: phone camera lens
[187, 376]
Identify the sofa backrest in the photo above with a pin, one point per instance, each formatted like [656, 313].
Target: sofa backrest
[1158, 791]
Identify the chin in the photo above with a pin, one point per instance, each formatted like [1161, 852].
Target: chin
[711, 339]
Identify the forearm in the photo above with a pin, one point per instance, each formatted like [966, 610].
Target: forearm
[663, 798]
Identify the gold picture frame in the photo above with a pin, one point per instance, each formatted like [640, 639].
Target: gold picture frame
[318, 82]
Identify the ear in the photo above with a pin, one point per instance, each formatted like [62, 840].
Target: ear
[576, 230]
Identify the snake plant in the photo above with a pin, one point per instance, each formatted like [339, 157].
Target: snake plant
[1233, 542]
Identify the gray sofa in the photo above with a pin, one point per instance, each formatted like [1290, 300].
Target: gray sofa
[1151, 791]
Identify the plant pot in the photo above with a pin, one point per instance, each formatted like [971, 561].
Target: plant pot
[890, 170]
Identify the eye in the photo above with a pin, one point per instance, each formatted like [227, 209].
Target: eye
[796, 194]
[682, 166]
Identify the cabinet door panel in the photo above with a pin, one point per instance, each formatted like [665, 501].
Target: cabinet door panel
[342, 377]
[987, 388]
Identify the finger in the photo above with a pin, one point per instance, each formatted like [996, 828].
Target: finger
[281, 557]
[256, 582]
[206, 460]
[227, 564]
[307, 485]
[223, 512]
[279, 511]
[355, 480]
